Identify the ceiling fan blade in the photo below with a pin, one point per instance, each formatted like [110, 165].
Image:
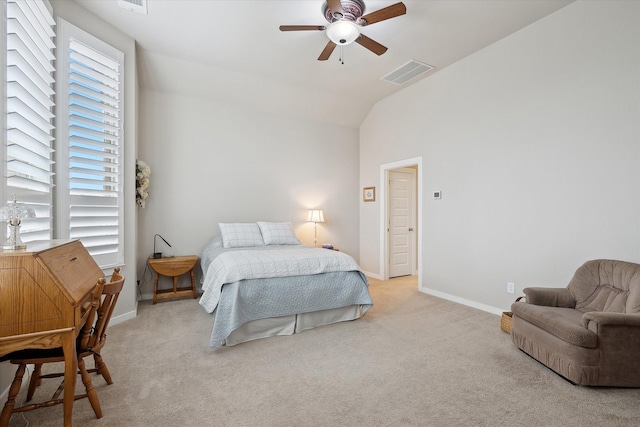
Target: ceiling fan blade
[385, 13]
[335, 6]
[328, 50]
[371, 44]
[301, 27]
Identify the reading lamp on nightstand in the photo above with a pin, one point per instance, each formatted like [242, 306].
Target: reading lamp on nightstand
[315, 216]
[157, 255]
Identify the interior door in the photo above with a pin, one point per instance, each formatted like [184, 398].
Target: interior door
[401, 222]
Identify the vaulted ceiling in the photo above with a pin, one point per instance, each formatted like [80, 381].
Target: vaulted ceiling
[234, 50]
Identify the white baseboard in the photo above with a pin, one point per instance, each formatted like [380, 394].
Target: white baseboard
[373, 275]
[145, 297]
[449, 297]
[122, 317]
[463, 301]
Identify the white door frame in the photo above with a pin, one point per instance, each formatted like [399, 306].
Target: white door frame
[384, 220]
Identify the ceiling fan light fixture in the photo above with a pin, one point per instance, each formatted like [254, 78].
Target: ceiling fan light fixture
[343, 32]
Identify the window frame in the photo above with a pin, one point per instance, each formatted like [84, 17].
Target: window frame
[65, 32]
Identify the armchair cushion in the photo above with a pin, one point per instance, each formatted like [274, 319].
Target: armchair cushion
[564, 323]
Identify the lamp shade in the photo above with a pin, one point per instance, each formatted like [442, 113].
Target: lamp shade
[343, 32]
[315, 215]
[14, 212]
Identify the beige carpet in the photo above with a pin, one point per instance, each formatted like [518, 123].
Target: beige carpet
[413, 360]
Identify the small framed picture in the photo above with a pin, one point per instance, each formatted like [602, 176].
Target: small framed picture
[369, 194]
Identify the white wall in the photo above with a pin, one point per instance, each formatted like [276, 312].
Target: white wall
[215, 162]
[534, 142]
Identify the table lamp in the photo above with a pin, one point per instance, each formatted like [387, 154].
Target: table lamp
[14, 213]
[315, 216]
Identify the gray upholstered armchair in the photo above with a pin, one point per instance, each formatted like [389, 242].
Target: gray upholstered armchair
[588, 332]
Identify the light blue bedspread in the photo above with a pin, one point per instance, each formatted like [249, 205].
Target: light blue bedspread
[248, 298]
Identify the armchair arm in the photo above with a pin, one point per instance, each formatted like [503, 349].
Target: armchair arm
[619, 346]
[550, 297]
[593, 319]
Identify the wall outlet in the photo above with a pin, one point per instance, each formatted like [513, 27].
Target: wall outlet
[511, 287]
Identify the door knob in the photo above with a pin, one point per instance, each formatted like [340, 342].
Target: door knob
[410, 228]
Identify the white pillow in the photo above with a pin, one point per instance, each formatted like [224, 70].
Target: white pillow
[216, 242]
[278, 233]
[240, 234]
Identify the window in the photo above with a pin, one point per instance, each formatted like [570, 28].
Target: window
[87, 195]
[29, 103]
[88, 155]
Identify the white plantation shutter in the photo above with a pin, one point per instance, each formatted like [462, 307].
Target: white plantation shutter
[91, 204]
[29, 103]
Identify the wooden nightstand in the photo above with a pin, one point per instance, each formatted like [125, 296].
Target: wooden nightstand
[173, 267]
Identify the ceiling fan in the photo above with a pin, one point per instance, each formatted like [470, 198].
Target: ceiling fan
[346, 19]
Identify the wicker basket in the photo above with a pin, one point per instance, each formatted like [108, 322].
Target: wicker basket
[507, 319]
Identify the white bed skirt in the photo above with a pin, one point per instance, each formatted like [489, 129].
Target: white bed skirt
[289, 325]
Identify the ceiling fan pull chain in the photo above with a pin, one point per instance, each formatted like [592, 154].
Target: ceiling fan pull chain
[341, 59]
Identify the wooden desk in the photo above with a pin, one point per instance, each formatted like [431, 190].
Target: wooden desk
[173, 267]
[42, 292]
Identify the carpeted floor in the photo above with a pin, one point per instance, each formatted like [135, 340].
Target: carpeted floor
[413, 360]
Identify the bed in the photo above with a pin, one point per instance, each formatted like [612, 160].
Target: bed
[260, 281]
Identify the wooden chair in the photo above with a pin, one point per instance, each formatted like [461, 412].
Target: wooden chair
[89, 343]
[110, 295]
[29, 356]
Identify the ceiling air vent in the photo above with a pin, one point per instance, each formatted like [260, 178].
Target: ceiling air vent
[139, 6]
[407, 72]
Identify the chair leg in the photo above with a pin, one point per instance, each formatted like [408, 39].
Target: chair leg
[101, 368]
[13, 393]
[92, 394]
[35, 381]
